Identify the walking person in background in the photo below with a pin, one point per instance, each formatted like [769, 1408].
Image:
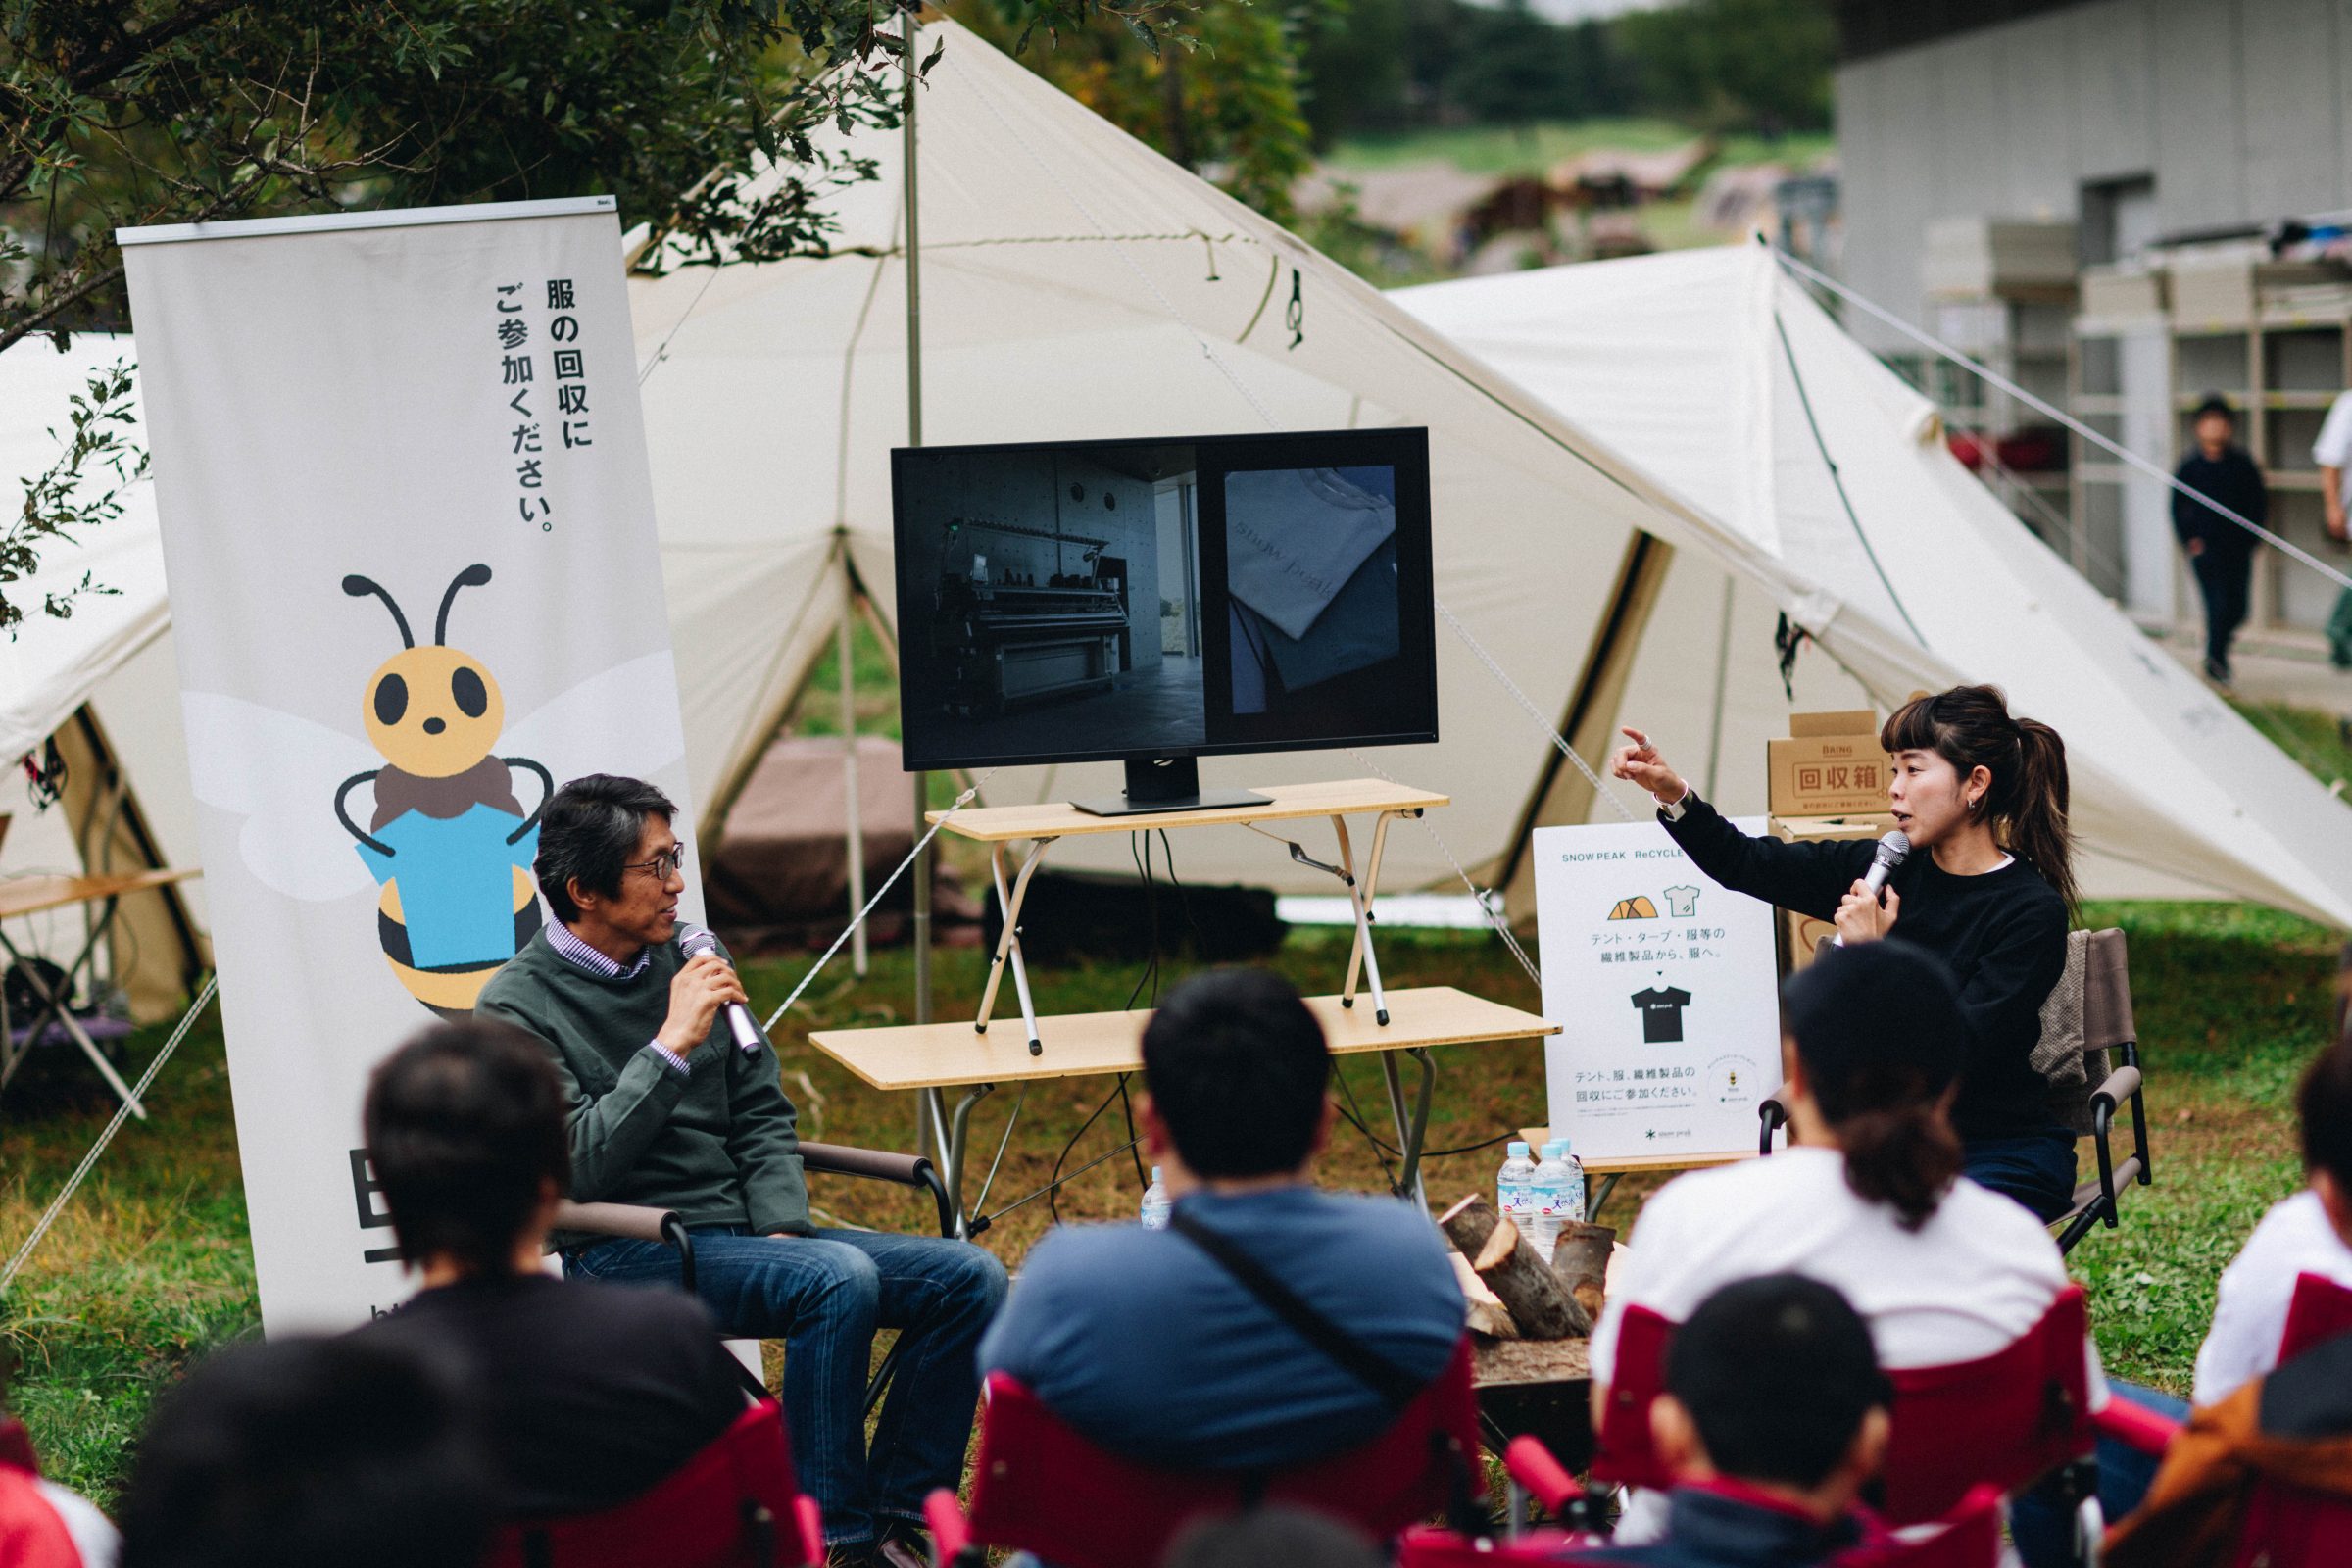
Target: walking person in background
[2219, 552]
[2333, 451]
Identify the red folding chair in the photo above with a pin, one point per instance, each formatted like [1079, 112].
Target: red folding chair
[736, 1504]
[1039, 1487]
[2003, 1421]
[1970, 1537]
[2285, 1527]
[32, 1535]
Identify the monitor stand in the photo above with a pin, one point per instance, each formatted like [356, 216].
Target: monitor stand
[1166, 784]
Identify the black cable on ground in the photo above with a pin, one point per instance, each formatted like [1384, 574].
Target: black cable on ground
[1355, 1118]
[1053, 1183]
[1375, 1141]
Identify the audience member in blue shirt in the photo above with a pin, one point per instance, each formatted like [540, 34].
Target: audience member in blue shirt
[1238, 1108]
[1773, 1420]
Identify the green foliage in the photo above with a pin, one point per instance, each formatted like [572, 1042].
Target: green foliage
[1736, 65]
[62, 498]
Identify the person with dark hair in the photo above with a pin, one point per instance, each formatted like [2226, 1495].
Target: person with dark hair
[2309, 1233]
[1775, 1417]
[1868, 1197]
[1987, 887]
[309, 1454]
[586, 1395]
[1238, 1108]
[1272, 1535]
[2220, 553]
[665, 1110]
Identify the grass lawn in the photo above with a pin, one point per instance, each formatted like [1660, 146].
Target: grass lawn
[150, 1267]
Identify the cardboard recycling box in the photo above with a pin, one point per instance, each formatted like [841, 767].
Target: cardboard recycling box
[1829, 765]
[1801, 935]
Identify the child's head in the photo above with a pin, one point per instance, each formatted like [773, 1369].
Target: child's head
[1774, 1382]
[2323, 1104]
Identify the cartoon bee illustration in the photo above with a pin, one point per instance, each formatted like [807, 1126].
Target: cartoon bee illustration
[448, 842]
[447, 846]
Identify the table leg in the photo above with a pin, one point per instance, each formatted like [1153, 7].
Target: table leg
[951, 1131]
[1363, 921]
[1363, 939]
[1411, 1126]
[1596, 1195]
[56, 1006]
[1008, 942]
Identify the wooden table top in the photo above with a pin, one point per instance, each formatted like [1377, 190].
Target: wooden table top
[30, 894]
[1627, 1165]
[1084, 1044]
[1053, 820]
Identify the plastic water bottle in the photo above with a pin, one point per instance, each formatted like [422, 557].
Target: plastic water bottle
[1543, 1226]
[1514, 1186]
[1158, 1205]
[1571, 1205]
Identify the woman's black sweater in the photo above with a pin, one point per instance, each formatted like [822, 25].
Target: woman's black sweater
[2002, 934]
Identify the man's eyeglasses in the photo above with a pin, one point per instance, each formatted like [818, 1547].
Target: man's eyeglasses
[663, 866]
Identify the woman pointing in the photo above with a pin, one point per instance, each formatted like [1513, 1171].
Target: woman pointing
[1987, 887]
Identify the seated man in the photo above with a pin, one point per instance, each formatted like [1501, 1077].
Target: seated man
[1773, 1419]
[587, 1393]
[2310, 1233]
[1238, 1108]
[665, 1110]
[307, 1453]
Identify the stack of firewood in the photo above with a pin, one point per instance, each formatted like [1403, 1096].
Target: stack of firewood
[1531, 1315]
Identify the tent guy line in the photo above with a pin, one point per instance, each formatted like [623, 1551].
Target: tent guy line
[2049, 410]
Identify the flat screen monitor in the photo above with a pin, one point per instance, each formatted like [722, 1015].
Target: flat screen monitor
[1155, 601]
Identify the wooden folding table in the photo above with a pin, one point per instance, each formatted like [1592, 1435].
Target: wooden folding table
[32, 894]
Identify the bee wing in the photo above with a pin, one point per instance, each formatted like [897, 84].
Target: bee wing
[280, 773]
[623, 720]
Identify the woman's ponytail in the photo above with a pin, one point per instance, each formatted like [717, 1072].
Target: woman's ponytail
[1903, 1156]
[2037, 827]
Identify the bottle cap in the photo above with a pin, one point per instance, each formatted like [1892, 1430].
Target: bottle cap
[1156, 1175]
[1516, 1149]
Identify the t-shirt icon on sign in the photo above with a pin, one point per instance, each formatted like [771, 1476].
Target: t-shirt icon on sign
[1682, 903]
[1662, 1015]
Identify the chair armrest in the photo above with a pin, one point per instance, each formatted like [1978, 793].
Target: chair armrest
[874, 1164]
[2121, 1085]
[2134, 1426]
[634, 1222]
[1772, 1114]
[951, 1531]
[1531, 1465]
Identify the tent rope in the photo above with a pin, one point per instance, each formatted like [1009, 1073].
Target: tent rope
[2048, 410]
[1527, 704]
[1489, 902]
[138, 1093]
[888, 882]
[1804, 401]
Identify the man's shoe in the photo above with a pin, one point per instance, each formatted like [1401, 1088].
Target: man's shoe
[2216, 673]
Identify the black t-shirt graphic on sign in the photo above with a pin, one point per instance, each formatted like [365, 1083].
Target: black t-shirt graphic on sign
[1662, 1015]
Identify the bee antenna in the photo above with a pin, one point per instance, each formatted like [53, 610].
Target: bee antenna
[472, 576]
[360, 587]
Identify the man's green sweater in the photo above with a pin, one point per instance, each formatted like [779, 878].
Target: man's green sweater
[716, 1144]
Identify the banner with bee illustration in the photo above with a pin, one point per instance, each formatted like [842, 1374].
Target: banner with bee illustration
[409, 533]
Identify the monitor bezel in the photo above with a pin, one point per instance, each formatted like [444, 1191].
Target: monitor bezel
[1405, 447]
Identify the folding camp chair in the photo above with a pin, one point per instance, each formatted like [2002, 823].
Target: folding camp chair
[2111, 1079]
[733, 1505]
[2006, 1420]
[33, 1534]
[644, 1224]
[2283, 1526]
[1041, 1488]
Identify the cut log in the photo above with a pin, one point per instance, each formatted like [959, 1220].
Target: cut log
[1510, 1361]
[1541, 1306]
[1486, 1313]
[1468, 1224]
[1581, 1259]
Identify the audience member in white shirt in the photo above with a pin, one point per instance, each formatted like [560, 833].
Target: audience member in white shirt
[1869, 1198]
[2310, 1233]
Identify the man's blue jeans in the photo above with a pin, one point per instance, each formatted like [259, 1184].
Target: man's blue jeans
[825, 1295]
[2043, 1529]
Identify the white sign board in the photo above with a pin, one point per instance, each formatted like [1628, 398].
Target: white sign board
[409, 535]
[1666, 988]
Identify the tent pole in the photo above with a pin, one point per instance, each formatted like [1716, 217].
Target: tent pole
[855, 848]
[925, 1134]
[1723, 670]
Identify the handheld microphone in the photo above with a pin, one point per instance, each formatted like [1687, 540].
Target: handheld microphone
[1893, 849]
[694, 940]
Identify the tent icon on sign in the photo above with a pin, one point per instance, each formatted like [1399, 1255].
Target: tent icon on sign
[1636, 907]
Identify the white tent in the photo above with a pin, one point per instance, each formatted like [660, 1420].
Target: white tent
[1716, 371]
[1075, 285]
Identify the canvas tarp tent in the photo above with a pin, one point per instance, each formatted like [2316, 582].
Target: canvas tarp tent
[1719, 374]
[1076, 284]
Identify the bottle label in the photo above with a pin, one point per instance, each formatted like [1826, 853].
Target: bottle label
[1515, 1198]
